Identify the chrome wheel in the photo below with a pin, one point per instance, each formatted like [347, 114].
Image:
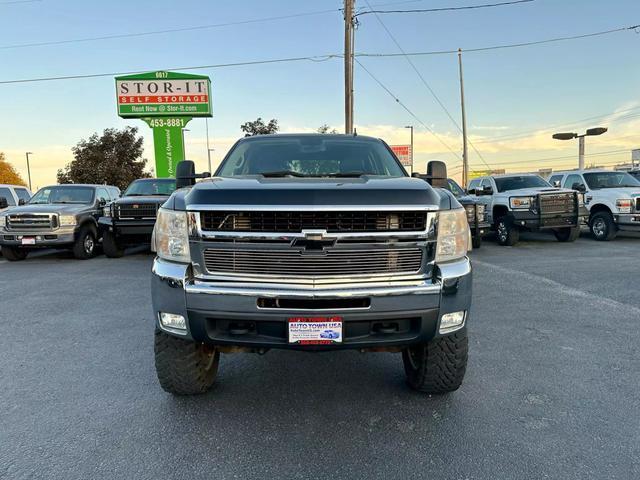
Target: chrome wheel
[89, 244]
[599, 227]
[503, 233]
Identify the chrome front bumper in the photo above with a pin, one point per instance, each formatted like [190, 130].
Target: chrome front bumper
[44, 238]
[209, 307]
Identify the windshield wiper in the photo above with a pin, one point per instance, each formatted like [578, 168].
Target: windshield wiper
[283, 173]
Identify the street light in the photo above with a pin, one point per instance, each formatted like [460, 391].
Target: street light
[29, 168]
[570, 136]
[411, 127]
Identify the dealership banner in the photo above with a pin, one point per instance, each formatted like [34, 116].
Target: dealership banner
[403, 152]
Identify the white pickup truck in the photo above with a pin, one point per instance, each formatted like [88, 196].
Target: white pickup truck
[612, 198]
[518, 202]
[12, 195]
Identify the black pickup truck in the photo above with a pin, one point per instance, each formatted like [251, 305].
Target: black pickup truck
[130, 220]
[311, 243]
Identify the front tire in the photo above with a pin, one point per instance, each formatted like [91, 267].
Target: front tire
[184, 367]
[569, 234]
[85, 244]
[507, 233]
[110, 245]
[476, 241]
[437, 366]
[602, 226]
[14, 254]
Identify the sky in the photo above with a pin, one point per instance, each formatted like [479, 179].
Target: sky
[516, 98]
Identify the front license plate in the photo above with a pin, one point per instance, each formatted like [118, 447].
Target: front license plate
[315, 330]
[28, 241]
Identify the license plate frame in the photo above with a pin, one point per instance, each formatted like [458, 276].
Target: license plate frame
[316, 330]
[28, 241]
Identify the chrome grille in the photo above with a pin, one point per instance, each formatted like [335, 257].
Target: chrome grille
[331, 263]
[297, 221]
[137, 210]
[31, 221]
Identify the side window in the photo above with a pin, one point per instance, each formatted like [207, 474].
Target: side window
[6, 193]
[486, 183]
[102, 195]
[555, 178]
[115, 193]
[23, 194]
[571, 179]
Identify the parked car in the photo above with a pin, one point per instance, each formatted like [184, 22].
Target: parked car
[611, 197]
[12, 195]
[58, 216]
[299, 234]
[130, 219]
[528, 202]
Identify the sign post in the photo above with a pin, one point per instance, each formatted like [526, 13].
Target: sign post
[166, 101]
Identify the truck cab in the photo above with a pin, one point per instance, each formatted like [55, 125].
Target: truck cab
[612, 199]
[13, 195]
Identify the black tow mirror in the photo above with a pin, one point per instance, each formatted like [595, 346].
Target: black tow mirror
[556, 183]
[437, 173]
[580, 187]
[186, 174]
[486, 190]
[3, 202]
[21, 202]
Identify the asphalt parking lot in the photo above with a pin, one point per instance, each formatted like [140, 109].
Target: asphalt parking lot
[552, 389]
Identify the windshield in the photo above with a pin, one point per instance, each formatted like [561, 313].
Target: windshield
[505, 184]
[598, 180]
[63, 194]
[312, 156]
[454, 188]
[151, 187]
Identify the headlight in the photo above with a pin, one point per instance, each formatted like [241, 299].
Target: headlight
[106, 211]
[624, 205]
[3, 220]
[171, 236]
[67, 220]
[581, 199]
[471, 213]
[521, 203]
[453, 235]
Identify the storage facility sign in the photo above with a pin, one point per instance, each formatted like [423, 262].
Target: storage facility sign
[403, 152]
[167, 94]
[167, 101]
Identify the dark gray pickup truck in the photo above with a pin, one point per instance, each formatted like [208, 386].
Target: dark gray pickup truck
[58, 216]
[312, 243]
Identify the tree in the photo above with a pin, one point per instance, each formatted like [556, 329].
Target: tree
[113, 159]
[8, 174]
[258, 127]
[326, 129]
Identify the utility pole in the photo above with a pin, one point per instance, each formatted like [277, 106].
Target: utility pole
[465, 152]
[411, 128]
[29, 168]
[581, 152]
[348, 66]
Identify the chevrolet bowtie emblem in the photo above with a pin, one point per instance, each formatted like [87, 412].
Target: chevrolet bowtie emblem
[136, 206]
[314, 240]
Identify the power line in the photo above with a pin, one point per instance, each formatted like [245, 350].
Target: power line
[160, 32]
[399, 102]
[551, 128]
[426, 84]
[507, 45]
[443, 9]
[317, 58]
[11, 2]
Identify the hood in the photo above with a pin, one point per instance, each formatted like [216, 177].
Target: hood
[50, 208]
[535, 191]
[364, 191]
[155, 199]
[616, 193]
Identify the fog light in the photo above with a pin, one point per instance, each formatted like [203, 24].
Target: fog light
[452, 321]
[173, 323]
